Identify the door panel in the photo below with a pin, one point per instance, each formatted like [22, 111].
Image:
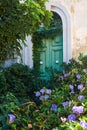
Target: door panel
[56, 59]
[56, 51]
[44, 60]
[51, 56]
[58, 41]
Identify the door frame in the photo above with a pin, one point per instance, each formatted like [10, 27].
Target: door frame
[63, 13]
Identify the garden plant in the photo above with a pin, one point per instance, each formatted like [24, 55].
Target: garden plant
[62, 108]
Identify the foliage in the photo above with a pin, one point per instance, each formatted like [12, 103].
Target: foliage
[12, 106]
[3, 84]
[19, 80]
[71, 102]
[17, 20]
[74, 66]
[63, 108]
[54, 29]
[83, 60]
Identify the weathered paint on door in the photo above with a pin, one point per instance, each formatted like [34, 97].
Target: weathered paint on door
[51, 55]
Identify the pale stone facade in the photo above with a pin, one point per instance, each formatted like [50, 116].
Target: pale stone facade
[77, 10]
[74, 17]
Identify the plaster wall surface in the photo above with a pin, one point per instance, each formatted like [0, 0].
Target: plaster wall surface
[77, 10]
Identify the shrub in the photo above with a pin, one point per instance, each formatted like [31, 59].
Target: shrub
[66, 107]
[21, 81]
[62, 108]
[13, 111]
[3, 86]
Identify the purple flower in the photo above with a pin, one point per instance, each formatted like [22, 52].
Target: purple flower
[37, 94]
[48, 91]
[42, 91]
[78, 76]
[46, 96]
[53, 107]
[72, 92]
[77, 109]
[71, 86]
[83, 124]
[65, 104]
[84, 70]
[80, 97]
[65, 75]
[71, 117]
[41, 98]
[80, 86]
[12, 117]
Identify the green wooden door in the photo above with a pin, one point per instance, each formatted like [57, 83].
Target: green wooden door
[51, 55]
[49, 52]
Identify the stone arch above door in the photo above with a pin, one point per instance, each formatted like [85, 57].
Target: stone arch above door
[61, 10]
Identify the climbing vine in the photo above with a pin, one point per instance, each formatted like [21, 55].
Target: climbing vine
[54, 29]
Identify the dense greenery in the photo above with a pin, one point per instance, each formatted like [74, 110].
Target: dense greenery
[19, 80]
[19, 18]
[62, 108]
